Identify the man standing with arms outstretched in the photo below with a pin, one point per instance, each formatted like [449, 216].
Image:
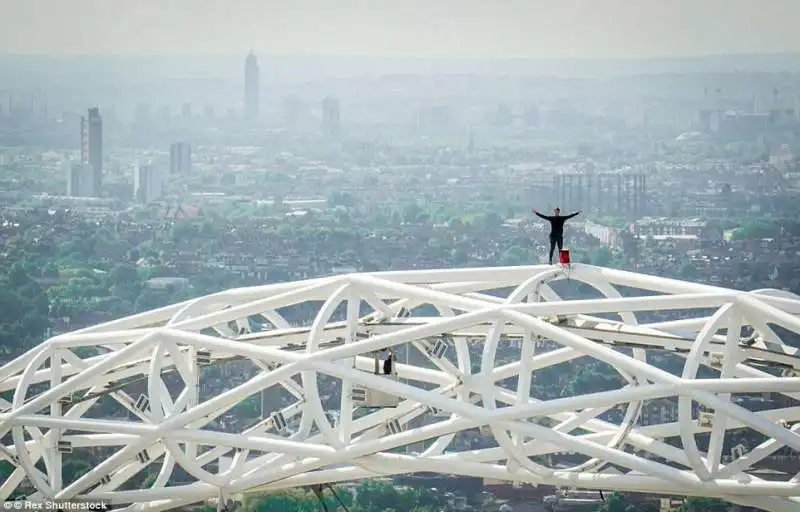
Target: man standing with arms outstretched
[556, 228]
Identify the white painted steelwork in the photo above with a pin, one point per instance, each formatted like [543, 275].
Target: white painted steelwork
[152, 366]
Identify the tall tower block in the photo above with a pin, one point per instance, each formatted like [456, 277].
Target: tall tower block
[92, 146]
[331, 122]
[251, 87]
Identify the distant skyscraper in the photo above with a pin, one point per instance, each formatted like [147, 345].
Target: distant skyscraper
[251, 87]
[330, 117]
[147, 183]
[80, 180]
[92, 147]
[180, 158]
[532, 116]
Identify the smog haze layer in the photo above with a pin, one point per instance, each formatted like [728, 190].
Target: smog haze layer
[409, 28]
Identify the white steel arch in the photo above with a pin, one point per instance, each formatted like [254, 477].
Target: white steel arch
[134, 394]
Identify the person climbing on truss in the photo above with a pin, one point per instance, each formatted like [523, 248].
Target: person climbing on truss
[556, 228]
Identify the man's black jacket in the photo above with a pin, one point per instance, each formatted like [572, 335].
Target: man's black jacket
[556, 222]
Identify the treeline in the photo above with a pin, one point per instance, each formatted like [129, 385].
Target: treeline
[367, 496]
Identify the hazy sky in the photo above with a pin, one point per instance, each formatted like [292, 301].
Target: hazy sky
[435, 28]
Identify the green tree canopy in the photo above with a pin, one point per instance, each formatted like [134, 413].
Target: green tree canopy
[602, 256]
[757, 229]
[704, 505]
[514, 255]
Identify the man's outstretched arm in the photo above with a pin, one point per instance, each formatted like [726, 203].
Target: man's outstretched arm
[573, 215]
[542, 216]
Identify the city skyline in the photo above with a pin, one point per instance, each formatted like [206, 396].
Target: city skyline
[471, 28]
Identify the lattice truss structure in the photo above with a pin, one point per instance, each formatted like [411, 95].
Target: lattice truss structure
[470, 346]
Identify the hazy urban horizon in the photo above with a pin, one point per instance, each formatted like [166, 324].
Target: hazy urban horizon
[24, 71]
[245, 51]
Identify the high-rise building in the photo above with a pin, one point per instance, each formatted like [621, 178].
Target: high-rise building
[92, 147]
[80, 180]
[147, 183]
[330, 117]
[251, 87]
[180, 158]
